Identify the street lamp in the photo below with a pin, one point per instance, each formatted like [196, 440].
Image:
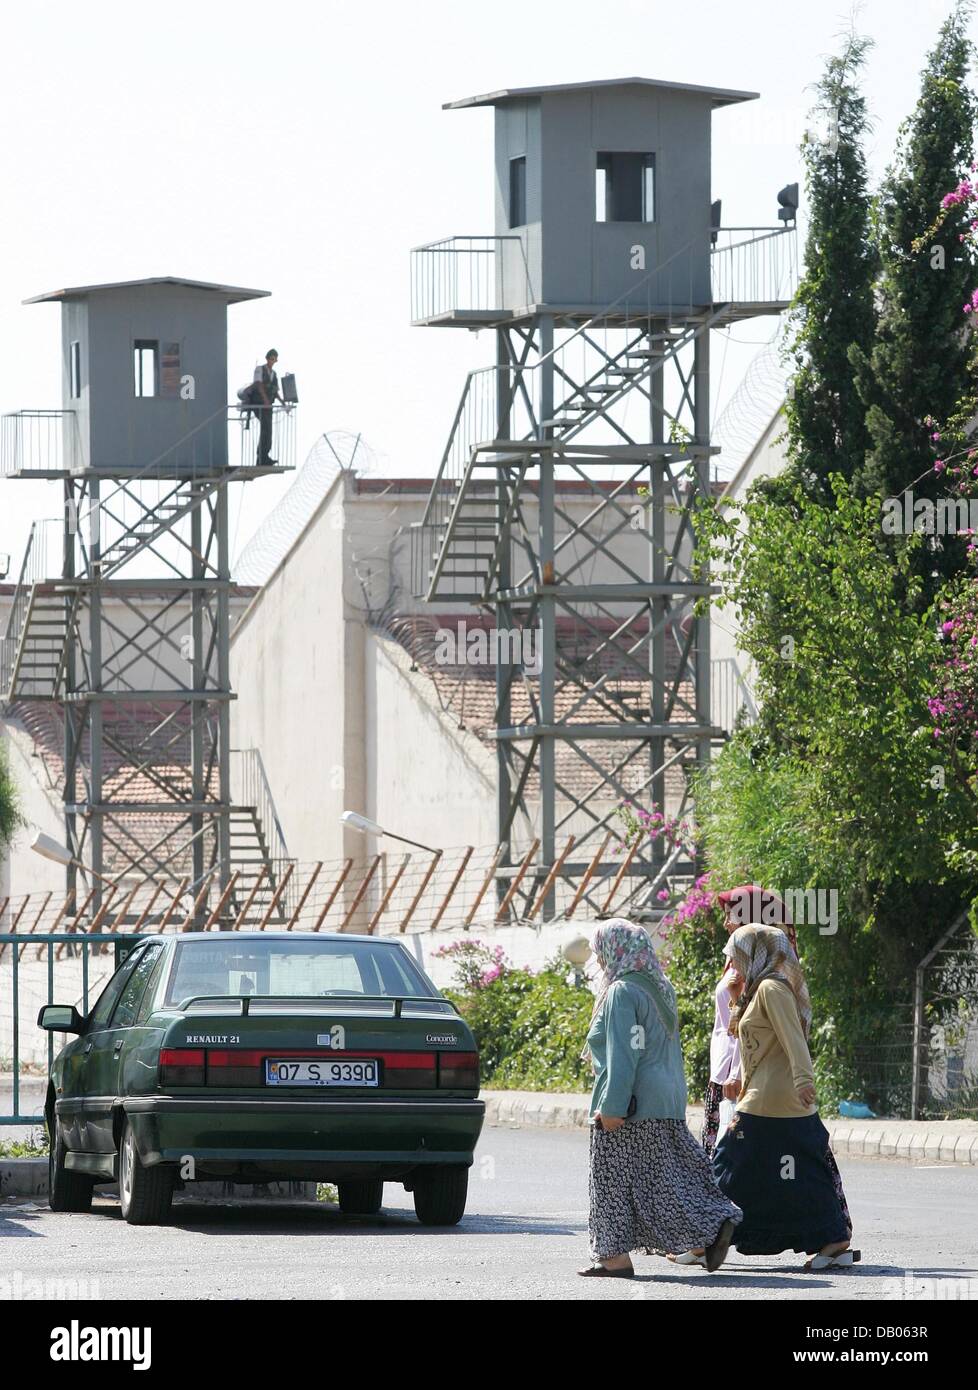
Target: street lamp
[364, 826]
[577, 952]
[49, 848]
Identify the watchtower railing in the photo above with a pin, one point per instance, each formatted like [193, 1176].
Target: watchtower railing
[468, 274]
[39, 441]
[136, 510]
[49, 442]
[754, 265]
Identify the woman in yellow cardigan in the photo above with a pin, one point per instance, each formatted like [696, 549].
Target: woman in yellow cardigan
[772, 1159]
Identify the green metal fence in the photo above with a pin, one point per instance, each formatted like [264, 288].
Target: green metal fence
[49, 954]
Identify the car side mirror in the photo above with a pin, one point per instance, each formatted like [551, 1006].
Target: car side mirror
[60, 1018]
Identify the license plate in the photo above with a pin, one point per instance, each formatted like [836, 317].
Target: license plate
[321, 1073]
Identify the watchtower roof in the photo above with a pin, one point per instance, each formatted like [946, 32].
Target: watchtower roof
[722, 96]
[231, 294]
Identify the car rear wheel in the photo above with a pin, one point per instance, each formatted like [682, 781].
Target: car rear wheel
[67, 1190]
[363, 1198]
[145, 1193]
[439, 1196]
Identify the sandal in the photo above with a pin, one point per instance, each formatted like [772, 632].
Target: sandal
[689, 1257]
[599, 1272]
[845, 1259]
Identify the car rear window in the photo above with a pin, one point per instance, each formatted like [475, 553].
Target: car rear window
[313, 969]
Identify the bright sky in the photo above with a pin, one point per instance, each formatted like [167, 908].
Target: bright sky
[303, 149]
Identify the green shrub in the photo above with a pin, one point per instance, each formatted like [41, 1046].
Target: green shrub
[34, 1146]
[529, 1028]
[11, 818]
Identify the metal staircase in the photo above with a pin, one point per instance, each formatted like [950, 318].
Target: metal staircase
[259, 873]
[259, 854]
[470, 509]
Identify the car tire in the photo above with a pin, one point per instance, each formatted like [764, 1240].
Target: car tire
[67, 1190]
[145, 1193]
[362, 1198]
[439, 1196]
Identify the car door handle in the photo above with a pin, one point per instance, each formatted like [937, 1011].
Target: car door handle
[117, 1047]
[88, 1047]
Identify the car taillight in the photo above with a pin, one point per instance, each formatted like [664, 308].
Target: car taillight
[181, 1066]
[459, 1070]
[409, 1070]
[239, 1068]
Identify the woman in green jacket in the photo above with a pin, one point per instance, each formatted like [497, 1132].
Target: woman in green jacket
[651, 1186]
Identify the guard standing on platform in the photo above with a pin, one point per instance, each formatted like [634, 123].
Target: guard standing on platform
[264, 394]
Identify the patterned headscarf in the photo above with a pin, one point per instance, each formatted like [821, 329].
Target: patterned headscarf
[765, 953]
[621, 948]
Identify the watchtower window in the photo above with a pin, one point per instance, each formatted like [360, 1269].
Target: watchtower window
[146, 367]
[517, 191]
[74, 370]
[624, 188]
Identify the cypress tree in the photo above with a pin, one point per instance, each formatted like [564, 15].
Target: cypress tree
[919, 365]
[833, 310]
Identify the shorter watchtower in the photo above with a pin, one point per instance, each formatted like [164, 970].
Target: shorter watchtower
[119, 626]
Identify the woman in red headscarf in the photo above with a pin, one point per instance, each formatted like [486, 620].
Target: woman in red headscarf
[746, 903]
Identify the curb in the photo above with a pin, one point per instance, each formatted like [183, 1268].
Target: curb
[28, 1177]
[23, 1177]
[904, 1141]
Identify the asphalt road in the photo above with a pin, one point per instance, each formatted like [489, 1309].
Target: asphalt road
[523, 1236]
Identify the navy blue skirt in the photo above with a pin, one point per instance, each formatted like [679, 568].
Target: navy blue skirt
[777, 1171]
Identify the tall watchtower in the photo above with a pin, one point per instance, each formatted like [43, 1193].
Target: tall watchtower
[119, 627]
[605, 275]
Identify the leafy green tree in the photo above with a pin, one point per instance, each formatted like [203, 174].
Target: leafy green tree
[833, 309]
[842, 785]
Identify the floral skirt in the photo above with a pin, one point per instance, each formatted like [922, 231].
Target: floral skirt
[651, 1187]
[711, 1116]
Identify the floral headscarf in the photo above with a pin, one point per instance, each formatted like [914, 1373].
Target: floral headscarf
[621, 948]
[765, 953]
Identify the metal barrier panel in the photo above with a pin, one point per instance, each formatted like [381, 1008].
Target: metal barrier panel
[43, 958]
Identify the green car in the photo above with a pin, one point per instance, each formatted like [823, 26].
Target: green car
[256, 1057]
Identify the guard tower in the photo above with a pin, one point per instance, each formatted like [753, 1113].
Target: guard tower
[120, 620]
[607, 271]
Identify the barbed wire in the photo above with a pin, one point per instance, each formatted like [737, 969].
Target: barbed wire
[334, 452]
